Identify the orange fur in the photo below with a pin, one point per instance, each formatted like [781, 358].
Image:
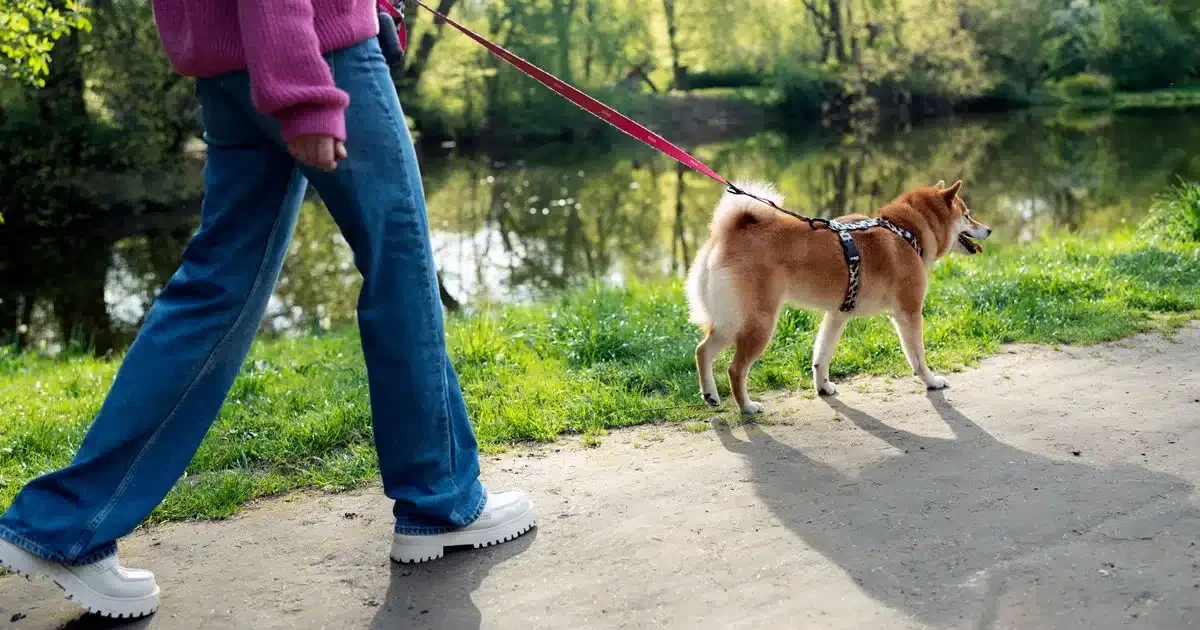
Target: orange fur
[757, 258]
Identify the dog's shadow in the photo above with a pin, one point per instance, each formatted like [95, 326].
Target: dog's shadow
[947, 529]
[438, 595]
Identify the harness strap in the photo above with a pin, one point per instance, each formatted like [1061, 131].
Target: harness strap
[854, 258]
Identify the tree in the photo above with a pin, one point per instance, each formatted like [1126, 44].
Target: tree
[28, 31]
[1142, 46]
[419, 59]
[1014, 46]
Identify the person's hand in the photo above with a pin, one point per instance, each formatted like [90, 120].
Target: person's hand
[321, 152]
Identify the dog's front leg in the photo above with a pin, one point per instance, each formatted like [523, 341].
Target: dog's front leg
[828, 336]
[910, 326]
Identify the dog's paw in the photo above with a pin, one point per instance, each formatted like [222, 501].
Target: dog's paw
[712, 400]
[827, 389]
[937, 382]
[751, 409]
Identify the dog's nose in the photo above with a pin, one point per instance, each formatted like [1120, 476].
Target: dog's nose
[988, 232]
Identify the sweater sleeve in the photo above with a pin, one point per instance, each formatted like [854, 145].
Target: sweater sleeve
[289, 79]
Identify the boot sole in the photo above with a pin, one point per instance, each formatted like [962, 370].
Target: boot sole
[28, 566]
[415, 549]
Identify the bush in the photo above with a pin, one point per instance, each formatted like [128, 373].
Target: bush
[1175, 216]
[1086, 85]
[802, 91]
[723, 79]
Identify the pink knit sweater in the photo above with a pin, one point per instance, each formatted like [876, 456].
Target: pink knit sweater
[280, 43]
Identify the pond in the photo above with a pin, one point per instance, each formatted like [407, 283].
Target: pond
[523, 227]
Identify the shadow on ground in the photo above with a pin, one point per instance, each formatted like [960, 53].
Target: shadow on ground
[96, 622]
[971, 532]
[437, 595]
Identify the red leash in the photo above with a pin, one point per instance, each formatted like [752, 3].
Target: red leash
[385, 6]
[594, 107]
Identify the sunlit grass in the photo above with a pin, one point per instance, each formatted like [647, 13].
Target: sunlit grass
[595, 359]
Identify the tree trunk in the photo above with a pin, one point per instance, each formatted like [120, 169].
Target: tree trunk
[851, 31]
[420, 58]
[564, 10]
[835, 30]
[680, 234]
[673, 41]
[589, 43]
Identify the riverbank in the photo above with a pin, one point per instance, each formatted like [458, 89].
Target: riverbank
[599, 358]
[701, 116]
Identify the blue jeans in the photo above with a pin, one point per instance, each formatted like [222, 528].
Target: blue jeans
[178, 371]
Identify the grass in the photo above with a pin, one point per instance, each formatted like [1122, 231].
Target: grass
[1177, 97]
[1186, 96]
[595, 359]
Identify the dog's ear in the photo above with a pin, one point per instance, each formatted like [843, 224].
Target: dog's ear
[941, 184]
[952, 192]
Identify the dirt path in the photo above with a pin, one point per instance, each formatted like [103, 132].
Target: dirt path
[1045, 490]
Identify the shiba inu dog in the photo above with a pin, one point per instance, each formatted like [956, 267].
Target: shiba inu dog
[757, 258]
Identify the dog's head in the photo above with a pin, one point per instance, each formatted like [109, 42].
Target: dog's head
[950, 217]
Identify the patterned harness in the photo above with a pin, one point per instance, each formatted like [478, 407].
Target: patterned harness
[843, 230]
[854, 259]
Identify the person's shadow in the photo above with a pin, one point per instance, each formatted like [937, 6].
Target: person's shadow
[437, 595]
[971, 532]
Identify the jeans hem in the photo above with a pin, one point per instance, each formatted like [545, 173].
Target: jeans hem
[434, 531]
[52, 556]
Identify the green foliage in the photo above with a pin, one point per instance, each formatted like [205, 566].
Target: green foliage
[124, 58]
[1014, 47]
[1175, 216]
[926, 59]
[1086, 86]
[1142, 46]
[904, 56]
[28, 30]
[1072, 36]
[802, 91]
[80, 143]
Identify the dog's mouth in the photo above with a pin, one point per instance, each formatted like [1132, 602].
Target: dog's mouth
[970, 246]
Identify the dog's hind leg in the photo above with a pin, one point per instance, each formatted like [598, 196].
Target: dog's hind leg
[827, 340]
[714, 342]
[910, 326]
[752, 339]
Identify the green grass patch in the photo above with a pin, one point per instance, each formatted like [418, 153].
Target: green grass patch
[595, 359]
[1175, 216]
[1091, 94]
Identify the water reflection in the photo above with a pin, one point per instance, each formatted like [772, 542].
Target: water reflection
[564, 215]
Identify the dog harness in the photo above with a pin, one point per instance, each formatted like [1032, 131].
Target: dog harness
[854, 259]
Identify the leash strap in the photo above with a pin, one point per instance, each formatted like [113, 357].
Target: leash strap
[585, 102]
[625, 124]
[640, 133]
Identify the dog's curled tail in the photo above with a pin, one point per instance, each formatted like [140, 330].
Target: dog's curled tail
[737, 211]
[733, 212]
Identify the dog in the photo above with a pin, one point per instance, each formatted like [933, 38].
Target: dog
[757, 258]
